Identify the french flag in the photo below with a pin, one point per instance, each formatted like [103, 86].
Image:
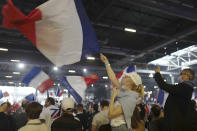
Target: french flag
[38, 79]
[76, 85]
[59, 29]
[59, 93]
[162, 96]
[31, 97]
[128, 69]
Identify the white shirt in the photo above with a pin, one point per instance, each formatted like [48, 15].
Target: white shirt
[49, 114]
[101, 118]
[35, 125]
[119, 120]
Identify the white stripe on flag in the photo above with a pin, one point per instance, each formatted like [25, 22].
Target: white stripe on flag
[59, 33]
[39, 79]
[77, 83]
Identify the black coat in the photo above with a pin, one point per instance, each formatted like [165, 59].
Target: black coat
[66, 122]
[178, 104]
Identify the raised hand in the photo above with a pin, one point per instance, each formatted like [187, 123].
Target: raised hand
[157, 70]
[104, 58]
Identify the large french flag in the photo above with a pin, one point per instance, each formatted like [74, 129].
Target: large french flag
[162, 96]
[60, 29]
[76, 85]
[38, 79]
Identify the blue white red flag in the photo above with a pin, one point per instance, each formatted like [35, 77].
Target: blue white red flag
[59, 29]
[59, 92]
[76, 85]
[31, 97]
[38, 79]
[162, 96]
[128, 69]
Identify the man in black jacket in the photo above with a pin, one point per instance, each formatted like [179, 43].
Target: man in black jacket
[178, 104]
[67, 122]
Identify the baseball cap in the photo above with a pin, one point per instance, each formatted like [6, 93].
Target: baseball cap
[135, 77]
[68, 103]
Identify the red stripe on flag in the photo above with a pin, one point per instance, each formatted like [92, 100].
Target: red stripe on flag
[90, 80]
[14, 18]
[61, 93]
[119, 75]
[45, 85]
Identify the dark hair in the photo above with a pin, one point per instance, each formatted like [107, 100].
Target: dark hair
[95, 107]
[190, 72]
[33, 110]
[51, 100]
[104, 103]
[135, 119]
[156, 110]
[80, 106]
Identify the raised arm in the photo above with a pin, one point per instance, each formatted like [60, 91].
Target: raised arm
[110, 72]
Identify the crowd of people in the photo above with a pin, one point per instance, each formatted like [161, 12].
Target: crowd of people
[125, 111]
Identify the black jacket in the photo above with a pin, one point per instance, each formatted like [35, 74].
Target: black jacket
[178, 104]
[66, 122]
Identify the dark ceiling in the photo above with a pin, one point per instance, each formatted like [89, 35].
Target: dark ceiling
[170, 24]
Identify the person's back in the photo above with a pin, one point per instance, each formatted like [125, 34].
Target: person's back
[178, 104]
[67, 122]
[82, 116]
[33, 111]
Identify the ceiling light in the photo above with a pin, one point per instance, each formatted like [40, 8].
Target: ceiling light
[11, 82]
[92, 85]
[176, 83]
[105, 77]
[21, 65]
[106, 86]
[129, 30]
[3, 49]
[155, 87]
[165, 80]
[8, 76]
[58, 84]
[19, 83]
[90, 58]
[71, 71]
[16, 73]
[15, 60]
[151, 75]
[165, 48]
[144, 86]
[84, 70]
[54, 84]
[55, 68]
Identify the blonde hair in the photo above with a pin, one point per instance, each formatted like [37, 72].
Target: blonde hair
[140, 90]
[3, 107]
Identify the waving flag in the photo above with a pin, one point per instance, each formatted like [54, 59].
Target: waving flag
[162, 96]
[77, 85]
[1, 94]
[31, 97]
[60, 29]
[126, 70]
[38, 79]
[59, 92]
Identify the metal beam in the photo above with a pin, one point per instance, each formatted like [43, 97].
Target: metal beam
[168, 8]
[164, 43]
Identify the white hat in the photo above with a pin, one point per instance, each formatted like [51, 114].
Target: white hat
[135, 77]
[68, 103]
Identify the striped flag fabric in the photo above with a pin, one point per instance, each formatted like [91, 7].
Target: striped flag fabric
[162, 96]
[128, 69]
[76, 85]
[38, 79]
[59, 29]
[59, 93]
[31, 97]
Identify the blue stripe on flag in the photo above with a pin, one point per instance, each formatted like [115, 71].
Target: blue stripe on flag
[77, 97]
[161, 97]
[1, 94]
[30, 97]
[31, 75]
[90, 42]
[130, 69]
[58, 92]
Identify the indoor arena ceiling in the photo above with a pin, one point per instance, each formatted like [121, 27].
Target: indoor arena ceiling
[162, 27]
